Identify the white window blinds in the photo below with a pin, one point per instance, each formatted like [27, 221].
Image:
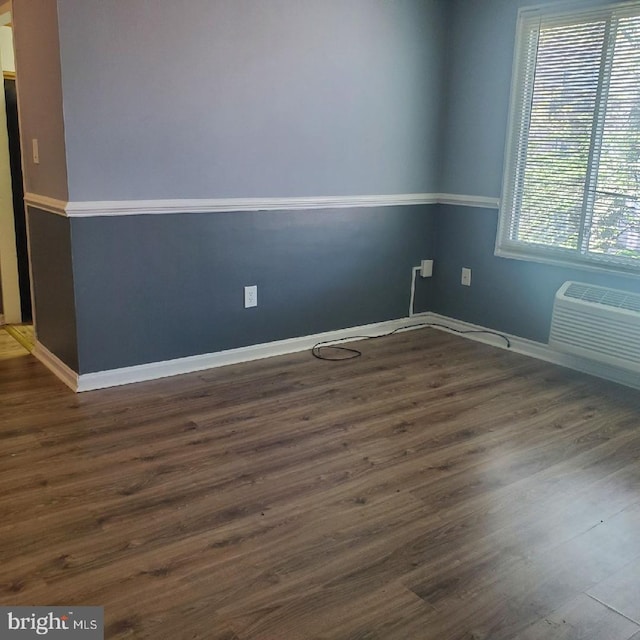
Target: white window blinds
[572, 172]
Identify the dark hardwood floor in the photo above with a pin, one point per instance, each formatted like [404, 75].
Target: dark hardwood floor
[435, 488]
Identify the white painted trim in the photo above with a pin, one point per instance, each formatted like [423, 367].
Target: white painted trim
[191, 364]
[56, 366]
[221, 205]
[108, 208]
[610, 268]
[481, 202]
[44, 203]
[538, 350]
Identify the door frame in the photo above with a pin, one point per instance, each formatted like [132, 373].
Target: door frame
[8, 252]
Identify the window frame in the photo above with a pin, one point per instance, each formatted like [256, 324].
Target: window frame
[571, 12]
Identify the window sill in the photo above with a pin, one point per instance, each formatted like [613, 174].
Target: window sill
[566, 263]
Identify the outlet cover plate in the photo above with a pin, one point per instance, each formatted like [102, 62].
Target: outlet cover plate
[426, 268]
[251, 296]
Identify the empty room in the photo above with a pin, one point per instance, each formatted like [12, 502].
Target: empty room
[320, 319]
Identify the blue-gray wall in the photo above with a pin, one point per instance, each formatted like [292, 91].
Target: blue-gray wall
[506, 295]
[153, 288]
[237, 98]
[479, 54]
[37, 48]
[479, 46]
[52, 283]
[246, 98]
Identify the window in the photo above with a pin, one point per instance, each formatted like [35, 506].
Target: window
[571, 191]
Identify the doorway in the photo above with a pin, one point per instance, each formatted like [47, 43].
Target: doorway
[15, 162]
[15, 286]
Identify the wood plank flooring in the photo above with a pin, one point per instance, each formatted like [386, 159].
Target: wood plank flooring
[435, 488]
[22, 333]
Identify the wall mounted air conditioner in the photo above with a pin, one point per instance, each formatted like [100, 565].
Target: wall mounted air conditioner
[598, 323]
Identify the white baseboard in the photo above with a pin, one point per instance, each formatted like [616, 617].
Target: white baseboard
[56, 366]
[538, 350]
[191, 364]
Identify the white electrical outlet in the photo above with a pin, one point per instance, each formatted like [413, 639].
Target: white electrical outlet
[466, 276]
[251, 296]
[426, 268]
[36, 151]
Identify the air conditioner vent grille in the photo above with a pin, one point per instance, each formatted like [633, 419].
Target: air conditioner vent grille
[597, 323]
[604, 297]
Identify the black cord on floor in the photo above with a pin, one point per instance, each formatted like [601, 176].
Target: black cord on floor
[351, 352]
